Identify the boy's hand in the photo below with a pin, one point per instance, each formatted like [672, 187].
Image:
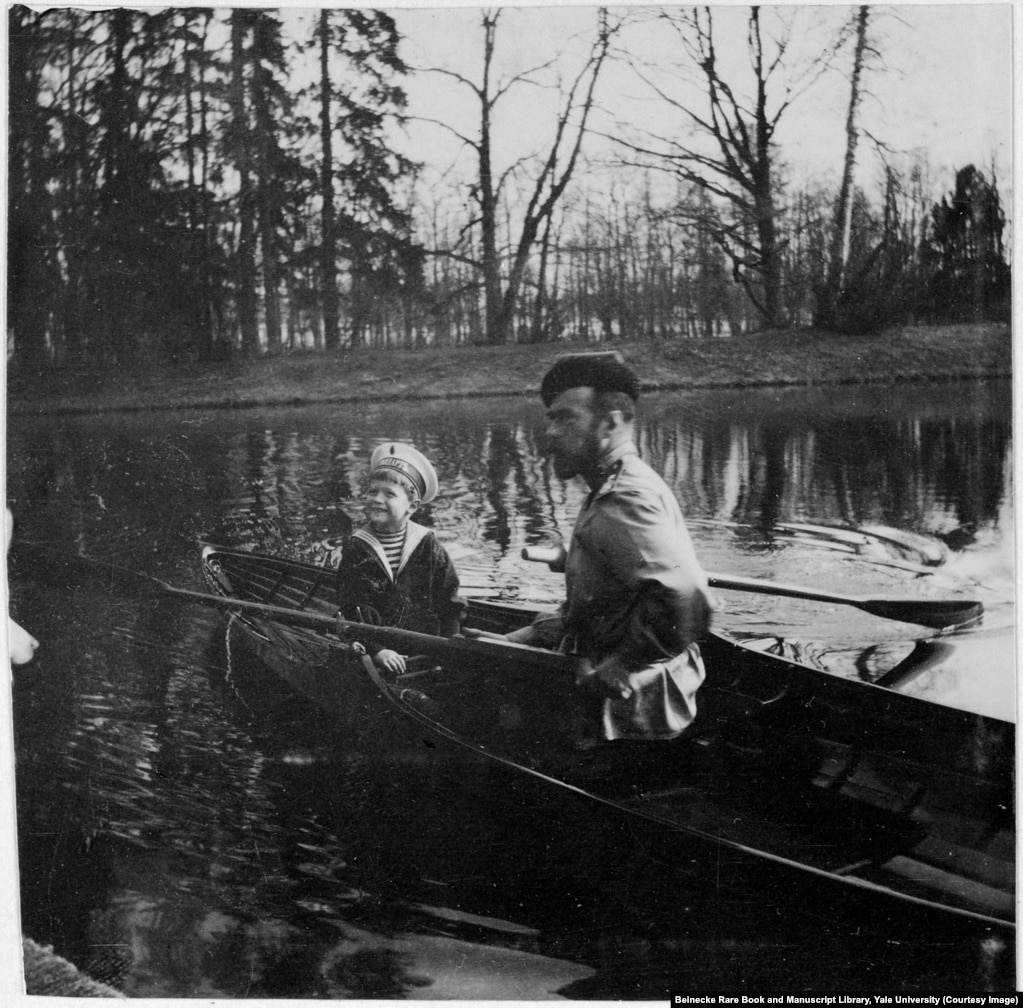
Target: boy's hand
[389, 661]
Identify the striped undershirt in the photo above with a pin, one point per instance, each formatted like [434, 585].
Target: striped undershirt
[392, 544]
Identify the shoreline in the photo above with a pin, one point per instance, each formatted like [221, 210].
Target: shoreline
[789, 359]
[647, 389]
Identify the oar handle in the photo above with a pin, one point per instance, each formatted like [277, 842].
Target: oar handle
[553, 556]
[939, 614]
[774, 588]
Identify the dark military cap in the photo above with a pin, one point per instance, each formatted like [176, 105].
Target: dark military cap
[605, 371]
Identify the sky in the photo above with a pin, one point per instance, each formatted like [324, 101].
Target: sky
[941, 83]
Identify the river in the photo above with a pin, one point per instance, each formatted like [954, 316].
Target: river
[181, 837]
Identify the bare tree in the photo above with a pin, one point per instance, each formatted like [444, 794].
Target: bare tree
[841, 235]
[545, 186]
[726, 146]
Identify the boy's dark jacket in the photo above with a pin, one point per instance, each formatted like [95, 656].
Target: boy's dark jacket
[423, 596]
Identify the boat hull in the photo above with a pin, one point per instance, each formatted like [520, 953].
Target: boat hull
[788, 778]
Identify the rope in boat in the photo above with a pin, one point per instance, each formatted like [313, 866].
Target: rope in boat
[229, 676]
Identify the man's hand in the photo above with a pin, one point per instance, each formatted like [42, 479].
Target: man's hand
[524, 635]
[473, 634]
[389, 661]
[608, 679]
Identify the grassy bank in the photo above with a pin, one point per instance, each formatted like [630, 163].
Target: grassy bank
[796, 357]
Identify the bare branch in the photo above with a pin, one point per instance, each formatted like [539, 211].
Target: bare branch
[475, 88]
[520, 78]
[468, 141]
[454, 256]
[509, 171]
[677, 159]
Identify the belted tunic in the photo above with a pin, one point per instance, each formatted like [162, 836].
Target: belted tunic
[637, 600]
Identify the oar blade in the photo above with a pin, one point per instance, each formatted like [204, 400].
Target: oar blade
[939, 614]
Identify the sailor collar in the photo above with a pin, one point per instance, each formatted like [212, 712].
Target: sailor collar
[414, 535]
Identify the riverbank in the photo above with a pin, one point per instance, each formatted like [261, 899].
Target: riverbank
[784, 358]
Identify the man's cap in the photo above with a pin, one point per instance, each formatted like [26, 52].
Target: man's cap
[605, 371]
[413, 465]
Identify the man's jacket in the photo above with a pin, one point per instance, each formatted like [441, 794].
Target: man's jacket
[634, 585]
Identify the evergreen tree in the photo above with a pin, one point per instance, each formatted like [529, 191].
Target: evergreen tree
[140, 279]
[359, 99]
[238, 150]
[200, 81]
[971, 278]
[33, 274]
[276, 170]
[98, 264]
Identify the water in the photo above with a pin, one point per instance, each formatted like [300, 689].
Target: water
[180, 837]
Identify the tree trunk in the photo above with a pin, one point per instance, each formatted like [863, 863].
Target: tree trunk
[538, 323]
[841, 235]
[764, 207]
[245, 272]
[329, 298]
[115, 198]
[208, 293]
[203, 337]
[496, 318]
[773, 306]
[266, 177]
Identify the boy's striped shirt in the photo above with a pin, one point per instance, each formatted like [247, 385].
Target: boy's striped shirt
[392, 544]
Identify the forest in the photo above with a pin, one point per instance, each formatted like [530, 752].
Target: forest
[197, 183]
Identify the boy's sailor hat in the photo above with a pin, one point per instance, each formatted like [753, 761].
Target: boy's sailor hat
[409, 463]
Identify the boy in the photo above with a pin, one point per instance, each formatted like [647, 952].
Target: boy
[394, 571]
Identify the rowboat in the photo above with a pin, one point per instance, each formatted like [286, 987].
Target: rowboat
[789, 774]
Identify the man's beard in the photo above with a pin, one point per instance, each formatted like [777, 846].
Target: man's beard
[581, 462]
[565, 468]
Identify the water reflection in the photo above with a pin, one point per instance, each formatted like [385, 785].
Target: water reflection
[782, 485]
[754, 459]
[181, 834]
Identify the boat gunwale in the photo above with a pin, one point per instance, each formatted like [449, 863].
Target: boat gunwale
[828, 681]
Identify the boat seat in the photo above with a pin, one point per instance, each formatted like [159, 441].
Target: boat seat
[973, 864]
[928, 881]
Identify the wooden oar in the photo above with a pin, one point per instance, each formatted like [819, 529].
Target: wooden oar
[940, 614]
[488, 650]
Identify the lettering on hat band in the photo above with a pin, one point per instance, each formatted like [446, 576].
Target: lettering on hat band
[404, 469]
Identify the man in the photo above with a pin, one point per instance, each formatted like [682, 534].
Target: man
[637, 600]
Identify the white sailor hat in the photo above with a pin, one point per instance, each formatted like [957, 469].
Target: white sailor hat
[406, 461]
